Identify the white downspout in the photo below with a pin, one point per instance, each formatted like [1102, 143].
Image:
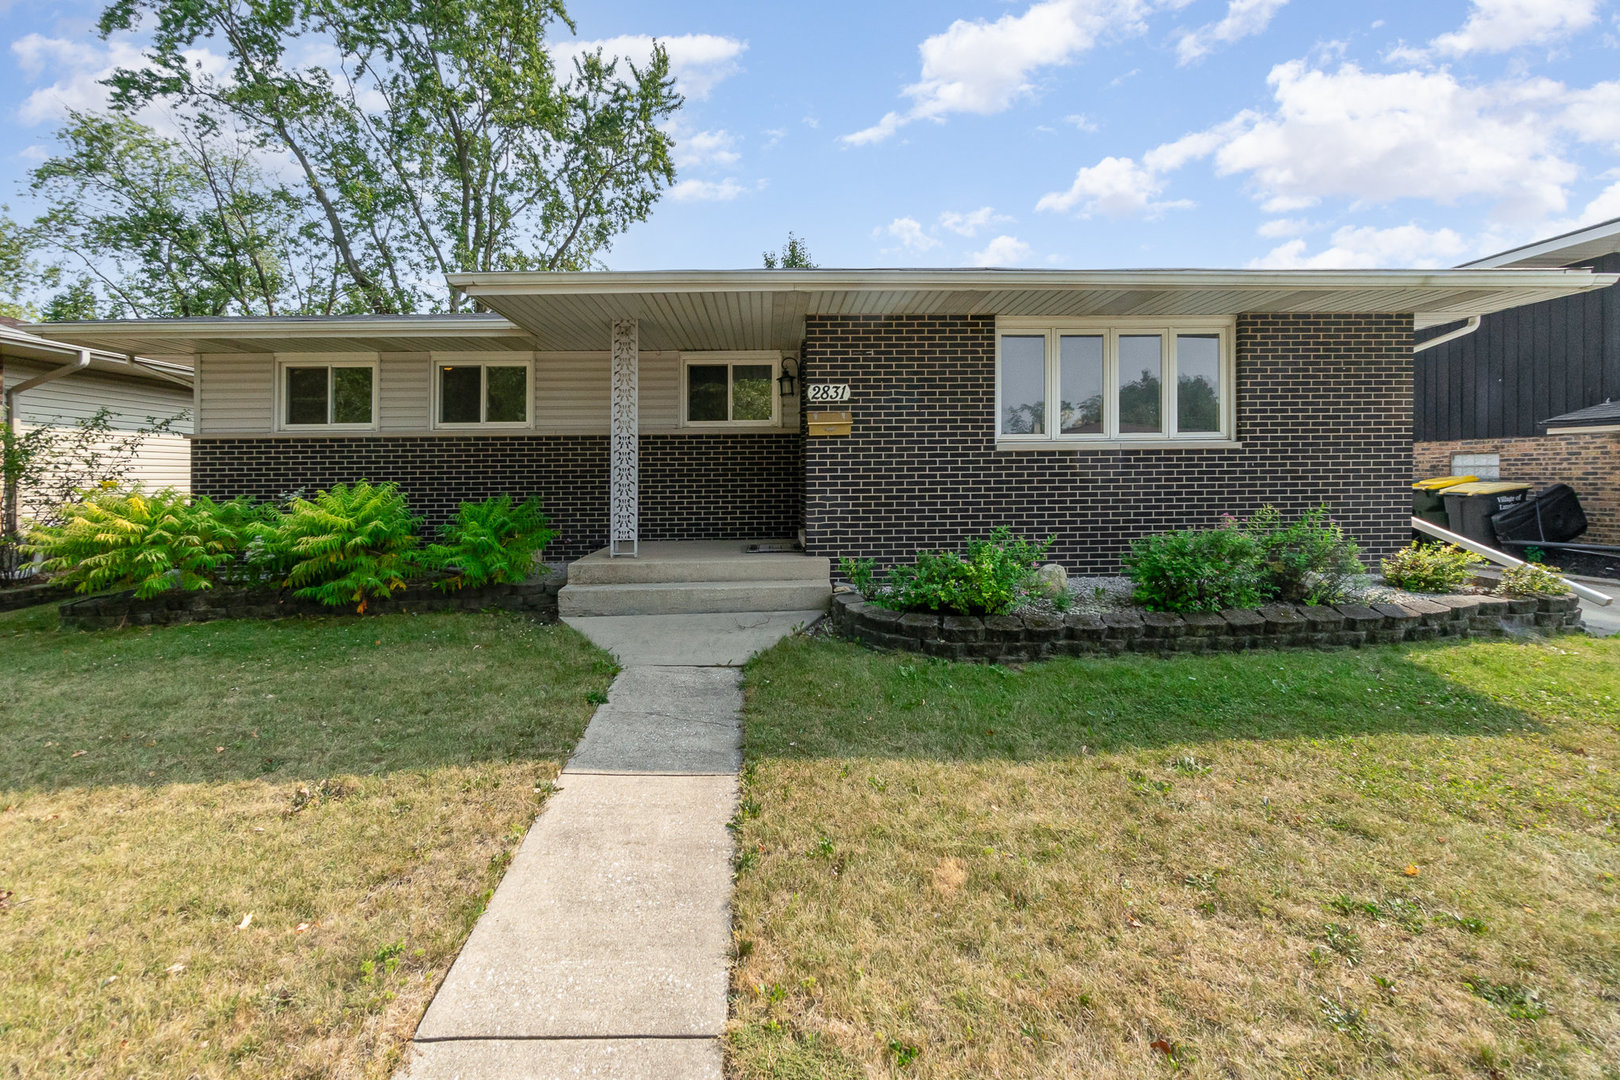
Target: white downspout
[1462, 331]
[9, 528]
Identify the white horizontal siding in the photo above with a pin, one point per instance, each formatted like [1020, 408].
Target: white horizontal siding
[235, 393]
[163, 461]
[134, 403]
[403, 391]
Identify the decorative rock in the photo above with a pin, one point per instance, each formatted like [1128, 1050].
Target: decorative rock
[1050, 581]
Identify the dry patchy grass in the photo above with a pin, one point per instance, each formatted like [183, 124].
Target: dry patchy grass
[1388, 863]
[357, 786]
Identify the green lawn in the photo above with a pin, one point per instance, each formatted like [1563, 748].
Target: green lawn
[355, 785]
[1395, 862]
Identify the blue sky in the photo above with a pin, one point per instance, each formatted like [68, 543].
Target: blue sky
[1069, 133]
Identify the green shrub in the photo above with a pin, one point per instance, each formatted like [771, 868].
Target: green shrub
[1310, 559]
[1531, 579]
[860, 573]
[153, 543]
[1197, 570]
[1430, 567]
[490, 542]
[988, 580]
[346, 545]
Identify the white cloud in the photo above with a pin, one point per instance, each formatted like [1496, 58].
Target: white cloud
[1359, 247]
[1277, 228]
[1114, 187]
[1002, 251]
[78, 66]
[699, 62]
[702, 148]
[706, 190]
[1371, 138]
[1244, 18]
[1083, 122]
[1501, 25]
[909, 233]
[981, 67]
[1593, 114]
[970, 223]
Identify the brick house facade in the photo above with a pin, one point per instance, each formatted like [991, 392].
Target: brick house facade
[1588, 463]
[922, 469]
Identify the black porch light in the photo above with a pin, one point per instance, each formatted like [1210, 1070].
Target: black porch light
[785, 382]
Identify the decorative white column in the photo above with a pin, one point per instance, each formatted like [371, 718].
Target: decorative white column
[624, 463]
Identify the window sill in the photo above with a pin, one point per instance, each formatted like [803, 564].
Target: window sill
[1072, 445]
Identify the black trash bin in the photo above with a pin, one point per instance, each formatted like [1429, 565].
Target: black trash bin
[1554, 514]
[1470, 507]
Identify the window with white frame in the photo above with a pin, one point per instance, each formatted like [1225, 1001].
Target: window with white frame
[731, 389]
[481, 393]
[328, 393]
[1122, 382]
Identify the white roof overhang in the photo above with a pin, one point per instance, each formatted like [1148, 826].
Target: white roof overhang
[27, 346]
[1565, 249]
[766, 309]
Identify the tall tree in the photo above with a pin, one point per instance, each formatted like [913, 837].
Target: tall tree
[435, 135]
[795, 255]
[16, 267]
[173, 227]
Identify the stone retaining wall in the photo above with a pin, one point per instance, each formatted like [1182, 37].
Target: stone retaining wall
[1022, 638]
[536, 598]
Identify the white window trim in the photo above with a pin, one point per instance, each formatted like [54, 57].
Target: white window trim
[328, 361]
[1111, 330]
[485, 362]
[774, 359]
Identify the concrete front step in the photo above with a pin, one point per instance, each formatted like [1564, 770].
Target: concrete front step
[695, 561]
[692, 597]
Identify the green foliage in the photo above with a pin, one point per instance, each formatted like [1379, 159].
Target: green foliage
[795, 255]
[1308, 560]
[989, 580]
[16, 267]
[422, 137]
[347, 545]
[490, 542]
[151, 543]
[1531, 579]
[1197, 570]
[1430, 567]
[859, 573]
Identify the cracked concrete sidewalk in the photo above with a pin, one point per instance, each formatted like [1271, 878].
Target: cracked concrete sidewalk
[604, 951]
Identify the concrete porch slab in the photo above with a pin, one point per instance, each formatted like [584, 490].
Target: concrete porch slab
[724, 640]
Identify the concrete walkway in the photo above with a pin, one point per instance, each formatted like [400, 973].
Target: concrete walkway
[604, 952]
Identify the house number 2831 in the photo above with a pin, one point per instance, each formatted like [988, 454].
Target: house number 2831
[824, 393]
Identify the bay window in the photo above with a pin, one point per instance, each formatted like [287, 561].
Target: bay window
[1117, 383]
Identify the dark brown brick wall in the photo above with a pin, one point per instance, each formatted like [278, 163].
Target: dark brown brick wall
[1324, 414]
[693, 487]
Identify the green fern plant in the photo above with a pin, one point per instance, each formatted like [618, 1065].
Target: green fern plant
[490, 542]
[153, 543]
[348, 545]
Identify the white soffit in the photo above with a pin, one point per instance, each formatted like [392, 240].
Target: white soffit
[766, 309]
[1565, 249]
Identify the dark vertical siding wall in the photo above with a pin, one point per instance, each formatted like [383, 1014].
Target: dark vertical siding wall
[1521, 367]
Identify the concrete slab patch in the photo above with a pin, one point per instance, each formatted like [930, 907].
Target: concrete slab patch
[556, 1059]
[725, 640]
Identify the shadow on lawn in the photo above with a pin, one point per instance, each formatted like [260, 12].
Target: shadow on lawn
[823, 698]
[289, 701]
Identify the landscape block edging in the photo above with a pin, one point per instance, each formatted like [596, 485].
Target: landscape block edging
[1039, 636]
[105, 611]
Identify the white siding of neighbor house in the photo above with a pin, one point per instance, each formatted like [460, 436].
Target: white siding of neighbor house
[236, 392]
[163, 461]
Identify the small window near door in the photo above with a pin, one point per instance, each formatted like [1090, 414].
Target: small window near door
[327, 395]
[483, 394]
[732, 392]
[1484, 466]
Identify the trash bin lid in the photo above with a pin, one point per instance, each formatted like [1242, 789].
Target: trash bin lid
[1435, 483]
[1486, 487]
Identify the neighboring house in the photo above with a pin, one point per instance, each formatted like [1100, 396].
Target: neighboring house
[72, 384]
[1091, 406]
[1531, 394]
